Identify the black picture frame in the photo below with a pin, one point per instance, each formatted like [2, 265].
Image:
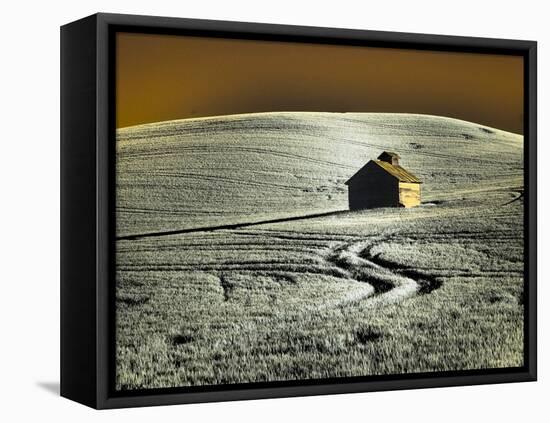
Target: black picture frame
[87, 209]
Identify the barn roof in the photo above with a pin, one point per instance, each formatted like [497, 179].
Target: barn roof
[394, 170]
[397, 171]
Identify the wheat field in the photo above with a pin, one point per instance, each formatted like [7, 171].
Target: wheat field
[238, 261]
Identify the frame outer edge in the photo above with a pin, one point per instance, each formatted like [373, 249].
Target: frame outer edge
[103, 127]
[532, 162]
[103, 176]
[78, 213]
[312, 31]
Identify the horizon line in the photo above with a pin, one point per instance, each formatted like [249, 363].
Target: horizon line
[235, 115]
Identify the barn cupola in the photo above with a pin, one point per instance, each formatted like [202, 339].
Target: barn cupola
[391, 158]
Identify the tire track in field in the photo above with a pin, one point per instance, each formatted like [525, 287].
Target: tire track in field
[384, 282]
[389, 286]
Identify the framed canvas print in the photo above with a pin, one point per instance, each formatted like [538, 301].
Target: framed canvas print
[254, 211]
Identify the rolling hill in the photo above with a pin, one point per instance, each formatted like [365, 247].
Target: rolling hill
[229, 169]
[432, 288]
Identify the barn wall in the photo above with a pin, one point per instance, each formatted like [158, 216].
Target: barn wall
[409, 194]
[376, 188]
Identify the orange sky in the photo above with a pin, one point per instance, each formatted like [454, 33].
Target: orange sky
[163, 77]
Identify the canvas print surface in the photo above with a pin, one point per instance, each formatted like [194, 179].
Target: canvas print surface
[294, 211]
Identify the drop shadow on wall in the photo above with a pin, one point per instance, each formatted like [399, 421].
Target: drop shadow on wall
[50, 387]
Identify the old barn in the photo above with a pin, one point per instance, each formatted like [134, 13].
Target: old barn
[383, 183]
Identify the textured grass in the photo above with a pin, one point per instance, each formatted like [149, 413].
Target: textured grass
[438, 287]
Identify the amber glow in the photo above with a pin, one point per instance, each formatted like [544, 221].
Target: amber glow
[163, 77]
